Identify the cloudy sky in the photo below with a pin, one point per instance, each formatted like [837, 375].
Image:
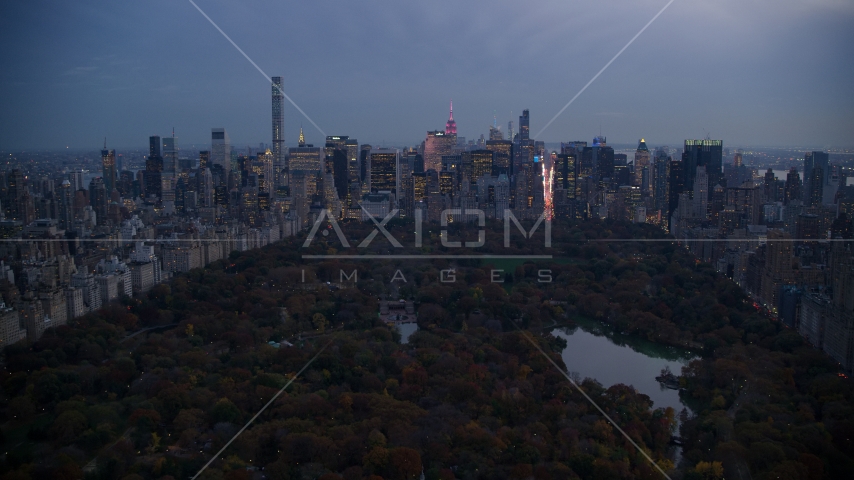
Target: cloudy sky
[750, 72]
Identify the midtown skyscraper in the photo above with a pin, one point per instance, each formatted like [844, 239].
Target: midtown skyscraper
[383, 167]
[220, 149]
[451, 125]
[278, 122]
[152, 176]
[706, 153]
[641, 164]
[813, 181]
[108, 161]
[170, 155]
[524, 126]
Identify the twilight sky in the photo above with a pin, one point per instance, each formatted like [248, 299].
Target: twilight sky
[750, 72]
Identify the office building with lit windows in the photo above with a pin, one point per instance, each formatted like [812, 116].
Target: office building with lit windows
[502, 156]
[383, 168]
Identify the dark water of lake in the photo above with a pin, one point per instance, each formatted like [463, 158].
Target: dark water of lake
[593, 351]
[406, 330]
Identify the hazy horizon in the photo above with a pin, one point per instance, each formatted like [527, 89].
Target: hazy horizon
[743, 73]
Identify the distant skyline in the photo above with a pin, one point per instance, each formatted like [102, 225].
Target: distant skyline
[747, 73]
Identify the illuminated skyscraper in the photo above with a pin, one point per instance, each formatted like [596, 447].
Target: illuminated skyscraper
[524, 126]
[451, 125]
[204, 159]
[641, 162]
[481, 161]
[564, 173]
[305, 158]
[437, 144]
[598, 158]
[502, 151]
[352, 146]
[108, 161]
[383, 168]
[419, 187]
[440, 143]
[278, 122]
[564, 185]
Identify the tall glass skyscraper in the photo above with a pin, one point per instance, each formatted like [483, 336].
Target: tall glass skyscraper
[154, 146]
[153, 175]
[524, 126]
[661, 179]
[108, 160]
[170, 155]
[220, 149]
[278, 122]
[706, 153]
[812, 161]
[641, 161]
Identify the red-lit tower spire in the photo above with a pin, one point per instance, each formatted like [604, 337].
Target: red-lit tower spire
[451, 125]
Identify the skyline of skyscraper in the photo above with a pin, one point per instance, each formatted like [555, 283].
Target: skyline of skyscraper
[108, 161]
[152, 176]
[154, 146]
[813, 160]
[278, 121]
[437, 144]
[383, 168]
[640, 162]
[451, 125]
[706, 152]
[220, 148]
[524, 125]
[170, 155]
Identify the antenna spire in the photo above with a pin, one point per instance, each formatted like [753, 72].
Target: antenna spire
[105, 143]
[451, 125]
